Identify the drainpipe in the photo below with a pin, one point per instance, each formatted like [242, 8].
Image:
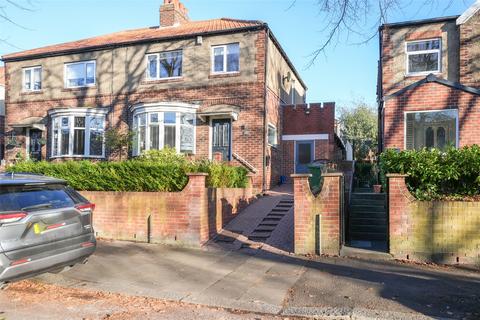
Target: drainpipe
[264, 178]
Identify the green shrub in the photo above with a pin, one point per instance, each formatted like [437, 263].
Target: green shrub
[154, 171]
[435, 174]
[166, 155]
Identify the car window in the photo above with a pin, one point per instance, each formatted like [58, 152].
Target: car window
[18, 198]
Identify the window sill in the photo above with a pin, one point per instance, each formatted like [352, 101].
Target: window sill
[77, 157]
[29, 93]
[421, 74]
[79, 89]
[223, 75]
[164, 80]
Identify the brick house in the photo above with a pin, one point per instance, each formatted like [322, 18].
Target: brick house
[210, 89]
[429, 82]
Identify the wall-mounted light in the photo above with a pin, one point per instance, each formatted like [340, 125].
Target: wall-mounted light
[199, 40]
[287, 78]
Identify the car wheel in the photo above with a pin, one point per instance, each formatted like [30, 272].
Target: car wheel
[3, 285]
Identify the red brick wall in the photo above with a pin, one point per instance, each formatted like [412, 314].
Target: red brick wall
[190, 217]
[432, 96]
[470, 51]
[307, 207]
[320, 119]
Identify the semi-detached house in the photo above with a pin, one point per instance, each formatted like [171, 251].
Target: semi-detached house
[211, 89]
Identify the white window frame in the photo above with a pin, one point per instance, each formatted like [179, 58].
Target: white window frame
[272, 126]
[71, 114]
[157, 55]
[224, 46]
[161, 108]
[32, 80]
[65, 79]
[408, 54]
[457, 132]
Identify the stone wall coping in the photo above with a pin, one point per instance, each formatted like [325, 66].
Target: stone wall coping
[194, 174]
[301, 175]
[396, 175]
[333, 174]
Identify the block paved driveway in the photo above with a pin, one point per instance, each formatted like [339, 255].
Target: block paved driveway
[263, 277]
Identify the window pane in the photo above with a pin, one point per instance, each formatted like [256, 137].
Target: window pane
[142, 121]
[65, 141]
[272, 135]
[76, 75]
[90, 73]
[96, 123]
[233, 57]
[187, 135]
[28, 79]
[79, 142]
[431, 129]
[154, 118]
[423, 45]
[170, 117]
[152, 67]
[80, 122]
[96, 143]
[37, 79]
[304, 153]
[423, 62]
[169, 136]
[218, 54]
[154, 137]
[170, 64]
[56, 135]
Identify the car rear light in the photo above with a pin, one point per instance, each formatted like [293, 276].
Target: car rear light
[85, 207]
[87, 244]
[9, 217]
[21, 261]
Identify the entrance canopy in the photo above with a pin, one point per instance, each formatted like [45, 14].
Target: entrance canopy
[219, 110]
[31, 122]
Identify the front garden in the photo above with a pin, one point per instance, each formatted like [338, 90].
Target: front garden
[154, 171]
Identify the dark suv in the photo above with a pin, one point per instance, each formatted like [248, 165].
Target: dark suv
[45, 226]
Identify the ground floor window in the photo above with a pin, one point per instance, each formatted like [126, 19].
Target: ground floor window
[157, 129]
[78, 134]
[431, 129]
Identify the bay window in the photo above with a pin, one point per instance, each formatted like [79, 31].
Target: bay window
[431, 129]
[423, 56]
[78, 134]
[158, 128]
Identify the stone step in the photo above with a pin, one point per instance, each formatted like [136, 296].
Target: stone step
[372, 202]
[258, 238]
[271, 219]
[368, 229]
[264, 229]
[368, 215]
[283, 205]
[275, 215]
[268, 224]
[280, 210]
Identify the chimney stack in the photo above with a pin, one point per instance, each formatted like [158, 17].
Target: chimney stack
[173, 12]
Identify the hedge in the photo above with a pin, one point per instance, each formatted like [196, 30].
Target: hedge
[436, 174]
[135, 175]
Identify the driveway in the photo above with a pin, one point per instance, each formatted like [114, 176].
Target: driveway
[259, 281]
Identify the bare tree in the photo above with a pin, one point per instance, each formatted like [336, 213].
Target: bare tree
[9, 9]
[343, 18]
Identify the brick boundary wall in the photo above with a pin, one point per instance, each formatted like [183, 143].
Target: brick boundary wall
[432, 231]
[317, 214]
[188, 218]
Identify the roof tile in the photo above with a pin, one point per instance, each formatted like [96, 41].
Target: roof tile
[138, 35]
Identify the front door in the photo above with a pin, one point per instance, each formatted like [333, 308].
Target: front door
[35, 144]
[221, 138]
[303, 156]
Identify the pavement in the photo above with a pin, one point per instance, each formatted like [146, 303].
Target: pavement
[262, 279]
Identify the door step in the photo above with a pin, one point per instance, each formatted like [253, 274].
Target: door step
[364, 254]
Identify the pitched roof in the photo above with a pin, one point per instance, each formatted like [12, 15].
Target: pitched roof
[433, 78]
[2, 76]
[191, 28]
[470, 12]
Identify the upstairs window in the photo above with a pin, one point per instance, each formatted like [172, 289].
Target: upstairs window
[32, 79]
[80, 74]
[164, 65]
[226, 58]
[431, 129]
[272, 135]
[423, 56]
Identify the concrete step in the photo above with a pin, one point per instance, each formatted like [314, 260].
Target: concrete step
[268, 224]
[275, 214]
[257, 238]
[263, 229]
[269, 219]
[364, 253]
[372, 202]
[368, 215]
[280, 210]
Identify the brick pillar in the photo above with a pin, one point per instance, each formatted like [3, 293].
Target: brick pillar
[304, 242]
[317, 219]
[399, 199]
[196, 198]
